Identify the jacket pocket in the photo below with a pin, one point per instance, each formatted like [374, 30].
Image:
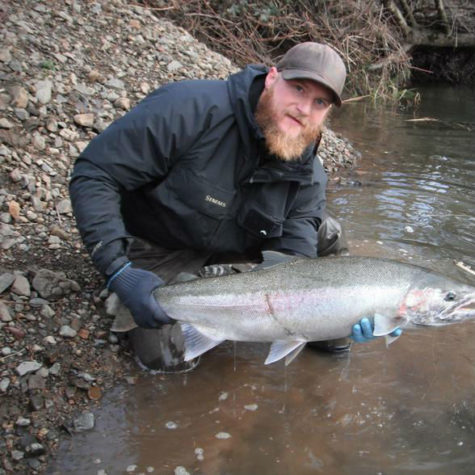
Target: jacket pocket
[259, 224]
[190, 208]
[200, 194]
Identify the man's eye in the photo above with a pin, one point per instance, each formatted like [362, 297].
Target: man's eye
[321, 103]
[298, 88]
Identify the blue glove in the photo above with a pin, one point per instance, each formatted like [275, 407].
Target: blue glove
[134, 288]
[363, 331]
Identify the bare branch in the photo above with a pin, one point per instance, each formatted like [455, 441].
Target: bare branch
[439, 4]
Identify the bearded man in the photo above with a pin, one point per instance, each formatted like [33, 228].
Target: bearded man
[204, 172]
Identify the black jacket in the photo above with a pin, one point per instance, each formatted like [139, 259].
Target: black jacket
[187, 168]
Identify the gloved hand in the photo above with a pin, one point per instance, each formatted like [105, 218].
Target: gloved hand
[363, 331]
[134, 288]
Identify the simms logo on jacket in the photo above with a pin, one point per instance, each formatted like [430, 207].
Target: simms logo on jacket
[215, 201]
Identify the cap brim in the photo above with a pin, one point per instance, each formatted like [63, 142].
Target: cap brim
[302, 74]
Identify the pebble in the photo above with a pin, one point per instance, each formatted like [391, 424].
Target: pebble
[223, 435]
[181, 471]
[21, 286]
[67, 332]
[5, 315]
[4, 384]
[6, 279]
[28, 367]
[43, 91]
[171, 425]
[84, 422]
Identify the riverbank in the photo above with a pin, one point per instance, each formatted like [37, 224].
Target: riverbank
[68, 69]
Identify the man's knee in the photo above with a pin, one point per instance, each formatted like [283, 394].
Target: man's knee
[331, 238]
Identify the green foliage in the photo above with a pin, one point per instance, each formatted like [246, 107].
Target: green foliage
[48, 64]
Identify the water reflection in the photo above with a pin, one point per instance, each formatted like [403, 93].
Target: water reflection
[406, 409]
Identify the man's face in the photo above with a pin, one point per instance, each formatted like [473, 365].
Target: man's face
[291, 113]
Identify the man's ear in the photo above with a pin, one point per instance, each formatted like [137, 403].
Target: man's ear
[271, 77]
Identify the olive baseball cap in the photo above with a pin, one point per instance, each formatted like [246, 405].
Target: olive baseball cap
[317, 62]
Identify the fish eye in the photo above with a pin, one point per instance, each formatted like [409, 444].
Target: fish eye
[450, 296]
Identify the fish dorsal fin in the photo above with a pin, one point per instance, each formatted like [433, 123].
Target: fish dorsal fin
[196, 343]
[280, 348]
[384, 325]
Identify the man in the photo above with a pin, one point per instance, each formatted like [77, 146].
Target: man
[204, 172]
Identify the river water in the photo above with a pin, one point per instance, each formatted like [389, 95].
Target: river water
[406, 409]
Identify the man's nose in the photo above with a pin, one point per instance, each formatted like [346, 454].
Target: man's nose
[304, 107]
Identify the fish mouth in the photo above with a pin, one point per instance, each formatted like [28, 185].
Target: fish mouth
[464, 308]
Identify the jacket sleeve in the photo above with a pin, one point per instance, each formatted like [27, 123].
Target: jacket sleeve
[134, 151]
[300, 228]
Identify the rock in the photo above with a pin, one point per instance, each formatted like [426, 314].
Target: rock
[4, 384]
[122, 103]
[51, 284]
[47, 311]
[181, 471]
[17, 455]
[28, 367]
[67, 332]
[64, 206]
[21, 286]
[36, 381]
[5, 123]
[35, 450]
[22, 422]
[84, 422]
[84, 120]
[19, 97]
[14, 210]
[174, 66]
[223, 435]
[49, 340]
[43, 91]
[55, 230]
[6, 279]
[115, 83]
[5, 315]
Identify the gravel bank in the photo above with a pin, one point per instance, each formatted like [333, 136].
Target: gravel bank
[68, 69]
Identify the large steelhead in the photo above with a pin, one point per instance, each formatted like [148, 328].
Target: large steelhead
[312, 299]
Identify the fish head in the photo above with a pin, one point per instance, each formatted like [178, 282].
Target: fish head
[437, 306]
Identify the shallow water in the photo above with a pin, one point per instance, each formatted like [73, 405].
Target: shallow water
[409, 408]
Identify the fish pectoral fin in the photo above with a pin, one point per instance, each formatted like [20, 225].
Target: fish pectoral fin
[390, 339]
[196, 343]
[384, 325]
[279, 349]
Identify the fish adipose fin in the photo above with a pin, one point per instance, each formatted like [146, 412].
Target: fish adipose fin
[280, 349]
[196, 343]
[383, 326]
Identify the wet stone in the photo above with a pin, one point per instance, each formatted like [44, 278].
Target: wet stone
[84, 422]
[23, 422]
[35, 450]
